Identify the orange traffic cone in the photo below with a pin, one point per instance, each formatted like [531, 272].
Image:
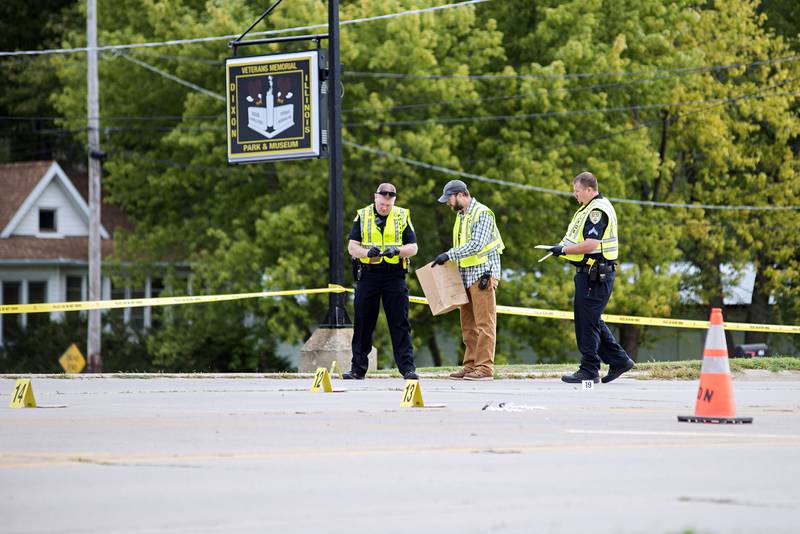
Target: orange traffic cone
[715, 396]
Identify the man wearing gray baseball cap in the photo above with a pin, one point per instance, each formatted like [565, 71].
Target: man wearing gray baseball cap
[476, 250]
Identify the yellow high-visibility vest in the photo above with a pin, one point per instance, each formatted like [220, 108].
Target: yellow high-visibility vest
[609, 242]
[462, 233]
[392, 235]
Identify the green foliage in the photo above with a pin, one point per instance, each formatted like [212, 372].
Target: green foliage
[674, 132]
[38, 348]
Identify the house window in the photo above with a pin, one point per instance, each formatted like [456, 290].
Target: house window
[156, 312]
[37, 292]
[136, 317]
[47, 220]
[118, 293]
[11, 324]
[74, 293]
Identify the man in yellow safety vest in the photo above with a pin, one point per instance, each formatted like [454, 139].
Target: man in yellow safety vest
[476, 250]
[382, 240]
[591, 244]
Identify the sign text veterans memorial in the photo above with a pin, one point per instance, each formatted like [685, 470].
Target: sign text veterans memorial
[273, 107]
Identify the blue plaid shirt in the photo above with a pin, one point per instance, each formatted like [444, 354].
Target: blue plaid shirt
[482, 234]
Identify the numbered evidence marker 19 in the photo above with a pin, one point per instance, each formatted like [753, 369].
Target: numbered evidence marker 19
[412, 396]
[587, 385]
[323, 380]
[22, 396]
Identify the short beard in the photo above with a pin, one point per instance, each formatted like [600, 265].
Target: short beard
[457, 207]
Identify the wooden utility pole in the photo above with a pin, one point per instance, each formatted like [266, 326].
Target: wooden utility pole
[95, 363]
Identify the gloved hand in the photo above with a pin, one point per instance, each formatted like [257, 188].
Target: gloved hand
[557, 250]
[391, 252]
[441, 259]
[374, 252]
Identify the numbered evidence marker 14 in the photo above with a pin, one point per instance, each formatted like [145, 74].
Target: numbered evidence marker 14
[22, 396]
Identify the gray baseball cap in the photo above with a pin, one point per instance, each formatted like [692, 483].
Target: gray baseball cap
[452, 187]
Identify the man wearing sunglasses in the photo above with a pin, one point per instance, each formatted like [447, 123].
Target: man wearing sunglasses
[477, 246]
[382, 240]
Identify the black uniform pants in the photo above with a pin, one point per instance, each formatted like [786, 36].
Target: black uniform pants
[595, 340]
[389, 287]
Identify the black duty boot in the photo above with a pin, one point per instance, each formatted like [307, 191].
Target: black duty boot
[579, 376]
[350, 375]
[614, 371]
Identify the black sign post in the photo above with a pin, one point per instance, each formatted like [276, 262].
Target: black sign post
[337, 315]
[268, 119]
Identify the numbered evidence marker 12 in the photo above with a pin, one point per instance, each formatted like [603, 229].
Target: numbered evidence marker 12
[322, 380]
[22, 396]
[412, 396]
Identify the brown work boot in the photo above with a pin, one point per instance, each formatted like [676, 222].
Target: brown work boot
[479, 374]
[458, 375]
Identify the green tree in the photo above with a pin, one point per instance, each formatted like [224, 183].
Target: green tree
[616, 87]
[26, 112]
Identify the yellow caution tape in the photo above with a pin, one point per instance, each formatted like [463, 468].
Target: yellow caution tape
[335, 288]
[158, 301]
[643, 321]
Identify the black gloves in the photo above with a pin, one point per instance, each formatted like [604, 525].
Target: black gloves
[441, 259]
[374, 252]
[391, 252]
[557, 250]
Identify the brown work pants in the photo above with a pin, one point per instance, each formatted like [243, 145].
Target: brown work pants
[479, 327]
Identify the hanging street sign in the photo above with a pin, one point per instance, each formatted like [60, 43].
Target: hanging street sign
[273, 107]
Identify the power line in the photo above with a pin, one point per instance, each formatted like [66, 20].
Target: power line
[20, 118]
[646, 124]
[516, 96]
[170, 76]
[648, 203]
[707, 68]
[548, 114]
[229, 37]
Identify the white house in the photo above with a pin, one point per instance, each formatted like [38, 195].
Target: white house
[44, 243]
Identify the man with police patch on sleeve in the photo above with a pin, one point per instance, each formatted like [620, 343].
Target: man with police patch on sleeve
[591, 244]
[382, 240]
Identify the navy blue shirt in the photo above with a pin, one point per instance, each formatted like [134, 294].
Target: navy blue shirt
[594, 227]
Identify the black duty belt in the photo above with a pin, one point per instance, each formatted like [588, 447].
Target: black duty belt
[609, 268]
[382, 268]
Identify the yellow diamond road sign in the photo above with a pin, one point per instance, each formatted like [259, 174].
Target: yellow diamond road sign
[72, 360]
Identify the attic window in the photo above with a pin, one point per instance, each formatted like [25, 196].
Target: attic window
[47, 220]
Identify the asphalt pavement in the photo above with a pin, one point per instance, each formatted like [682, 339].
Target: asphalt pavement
[213, 454]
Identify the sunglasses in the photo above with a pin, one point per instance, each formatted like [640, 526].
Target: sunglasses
[388, 194]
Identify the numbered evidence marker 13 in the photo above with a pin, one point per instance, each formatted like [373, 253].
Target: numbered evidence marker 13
[412, 396]
[22, 396]
[323, 380]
